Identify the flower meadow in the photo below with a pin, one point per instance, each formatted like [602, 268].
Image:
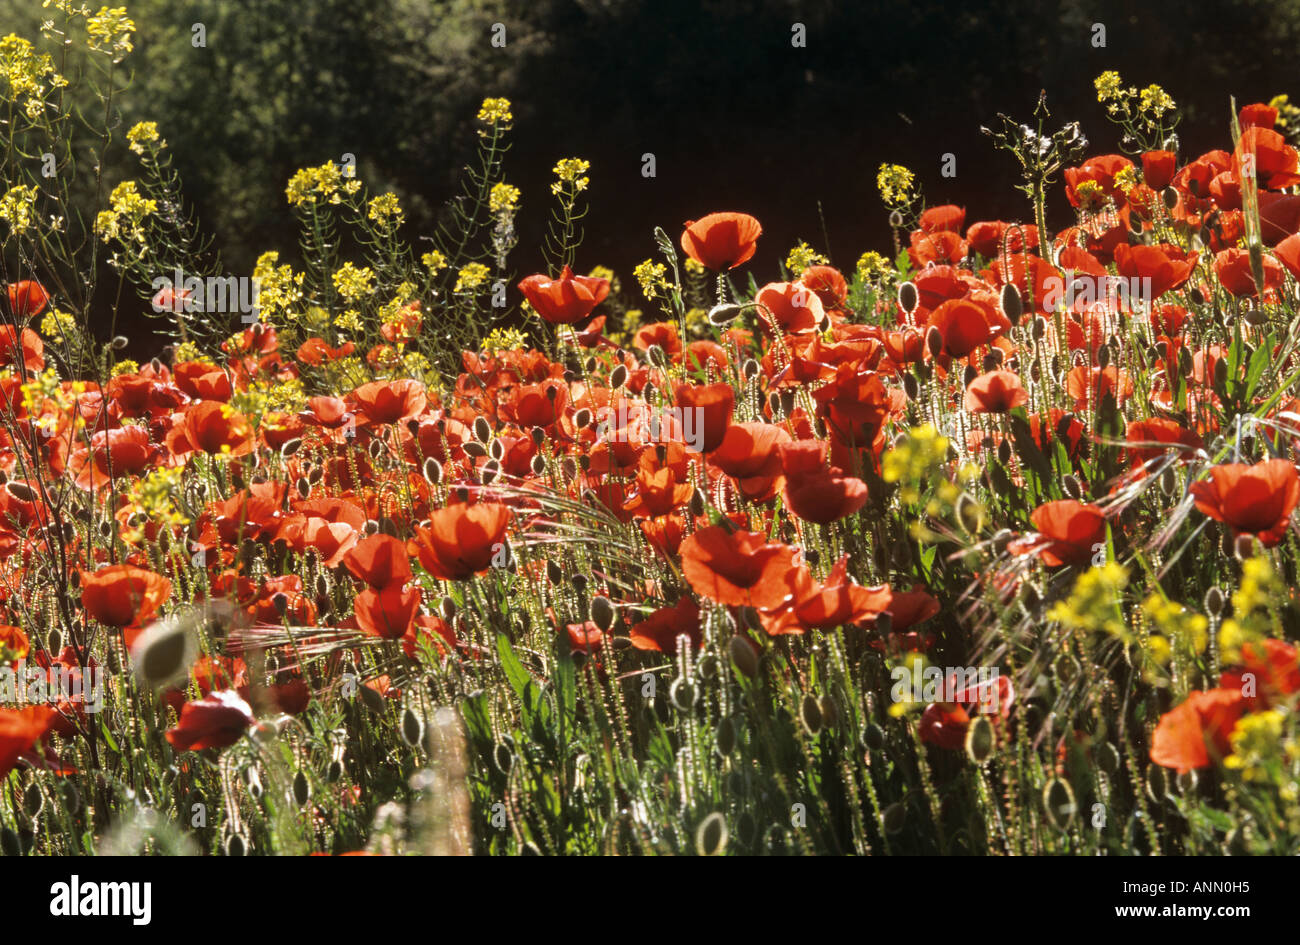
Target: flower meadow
[407, 544]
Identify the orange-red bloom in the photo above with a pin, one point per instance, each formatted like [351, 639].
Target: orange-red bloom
[1196, 733]
[995, 392]
[215, 721]
[461, 540]
[736, 567]
[122, 595]
[20, 729]
[721, 240]
[27, 298]
[565, 299]
[1254, 500]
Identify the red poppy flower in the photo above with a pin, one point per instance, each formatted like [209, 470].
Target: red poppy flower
[995, 392]
[1269, 673]
[721, 240]
[750, 453]
[946, 218]
[315, 351]
[962, 325]
[1197, 733]
[659, 631]
[1101, 170]
[736, 567]
[27, 298]
[211, 427]
[1232, 267]
[1275, 161]
[1158, 168]
[814, 491]
[215, 721]
[1257, 115]
[390, 401]
[820, 606]
[1254, 500]
[388, 612]
[119, 452]
[1068, 533]
[122, 595]
[1156, 431]
[33, 349]
[461, 540]
[1168, 267]
[1288, 253]
[792, 306]
[710, 406]
[565, 299]
[379, 560]
[20, 730]
[829, 284]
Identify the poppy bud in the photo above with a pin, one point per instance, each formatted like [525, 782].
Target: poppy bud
[725, 737]
[1103, 357]
[582, 418]
[602, 613]
[896, 219]
[579, 582]
[981, 740]
[618, 377]
[538, 435]
[724, 313]
[1012, 305]
[489, 472]
[590, 364]
[1170, 197]
[432, 471]
[894, 817]
[908, 297]
[474, 448]
[873, 736]
[911, 387]
[1157, 788]
[1072, 487]
[711, 836]
[830, 710]
[743, 655]
[1004, 452]
[538, 464]
[1244, 547]
[934, 341]
[682, 693]
[303, 486]
[655, 355]
[750, 369]
[1214, 601]
[483, 430]
[810, 714]
[1198, 297]
[1058, 803]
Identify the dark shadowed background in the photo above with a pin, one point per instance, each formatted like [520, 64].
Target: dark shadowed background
[736, 117]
